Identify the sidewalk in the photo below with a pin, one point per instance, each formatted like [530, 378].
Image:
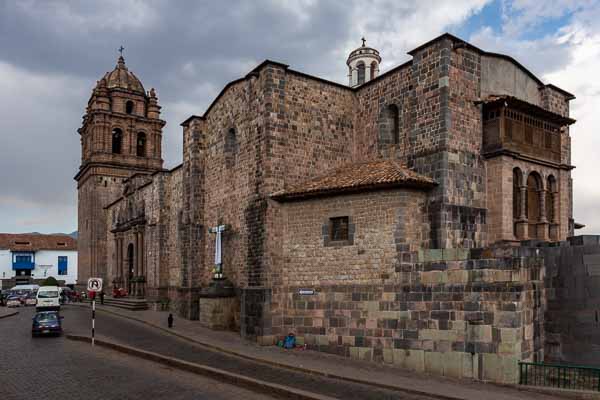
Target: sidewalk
[8, 312]
[331, 365]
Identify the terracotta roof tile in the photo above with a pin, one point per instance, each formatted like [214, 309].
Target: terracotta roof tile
[357, 177]
[35, 241]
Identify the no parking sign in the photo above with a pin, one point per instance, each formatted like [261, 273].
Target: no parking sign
[94, 285]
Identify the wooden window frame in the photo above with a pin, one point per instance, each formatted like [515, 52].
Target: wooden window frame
[331, 238]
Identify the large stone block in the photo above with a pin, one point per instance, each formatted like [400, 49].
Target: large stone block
[513, 348]
[453, 364]
[388, 356]
[510, 335]
[500, 368]
[434, 362]
[410, 359]
[479, 333]
[219, 313]
[458, 277]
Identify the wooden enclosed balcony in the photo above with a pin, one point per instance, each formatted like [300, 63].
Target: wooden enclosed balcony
[511, 125]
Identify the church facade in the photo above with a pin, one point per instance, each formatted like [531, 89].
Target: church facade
[381, 220]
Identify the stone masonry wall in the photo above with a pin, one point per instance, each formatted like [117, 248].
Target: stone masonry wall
[287, 129]
[456, 312]
[387, 228]
[309, 126]
[472, 318]
[573, 292]
[100, 187]
[440, 135]
[464, 217]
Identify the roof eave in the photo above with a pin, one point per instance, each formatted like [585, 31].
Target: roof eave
[285, 197]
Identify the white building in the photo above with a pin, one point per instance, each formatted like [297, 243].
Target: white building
[28, 258]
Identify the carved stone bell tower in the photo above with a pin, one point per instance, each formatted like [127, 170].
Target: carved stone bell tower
[120, 136]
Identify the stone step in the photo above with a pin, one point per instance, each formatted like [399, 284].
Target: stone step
[126, 303]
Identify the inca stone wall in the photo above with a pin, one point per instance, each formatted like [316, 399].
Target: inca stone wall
[573, 292]
[460, 313]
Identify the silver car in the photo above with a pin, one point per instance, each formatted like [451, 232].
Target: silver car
[13, 301]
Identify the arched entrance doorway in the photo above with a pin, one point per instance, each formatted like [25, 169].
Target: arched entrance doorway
[130, 269]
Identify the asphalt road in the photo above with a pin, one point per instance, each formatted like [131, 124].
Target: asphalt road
[57, 368]
[118, 329]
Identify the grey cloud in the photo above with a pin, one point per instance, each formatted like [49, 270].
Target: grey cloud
[187, 50]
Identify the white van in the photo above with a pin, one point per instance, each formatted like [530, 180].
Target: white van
[48, 298]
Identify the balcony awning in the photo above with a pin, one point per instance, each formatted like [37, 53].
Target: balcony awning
[514, 103]
[23, 265]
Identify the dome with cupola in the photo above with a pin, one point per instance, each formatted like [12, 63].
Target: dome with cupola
[363, 64]
[122, 78]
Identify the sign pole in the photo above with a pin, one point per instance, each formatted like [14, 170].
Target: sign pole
[94, 286]
[93, 318]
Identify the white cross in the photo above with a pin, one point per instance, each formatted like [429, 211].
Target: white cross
[218, 261]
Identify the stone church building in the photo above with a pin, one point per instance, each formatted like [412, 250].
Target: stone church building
[383, 220]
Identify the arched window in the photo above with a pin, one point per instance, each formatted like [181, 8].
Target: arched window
[361, 72]
[517, 183]
[395, 120]
[373, 69]
[534, 185]
[129, 107]
[389, 125]
[231, 140]
[550, 199]
[141, 144]
[117, 138]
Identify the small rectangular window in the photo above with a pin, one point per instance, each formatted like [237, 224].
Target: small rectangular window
[62, 265]
[338, 228]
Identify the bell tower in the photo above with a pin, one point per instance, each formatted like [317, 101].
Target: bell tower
[363, 65]
[120, 136]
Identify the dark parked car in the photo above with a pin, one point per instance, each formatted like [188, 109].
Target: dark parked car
[46, 323]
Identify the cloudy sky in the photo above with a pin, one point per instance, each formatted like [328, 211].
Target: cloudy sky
[52, 53]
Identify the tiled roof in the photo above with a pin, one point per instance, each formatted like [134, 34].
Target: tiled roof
[529, 108]
[36, 241]
[357, 177]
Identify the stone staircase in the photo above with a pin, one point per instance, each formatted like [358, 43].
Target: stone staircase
[126, 303]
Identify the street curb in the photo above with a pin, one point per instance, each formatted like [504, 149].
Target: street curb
[521, 388]
[210, 372]
[286, 366]
[9, 314]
